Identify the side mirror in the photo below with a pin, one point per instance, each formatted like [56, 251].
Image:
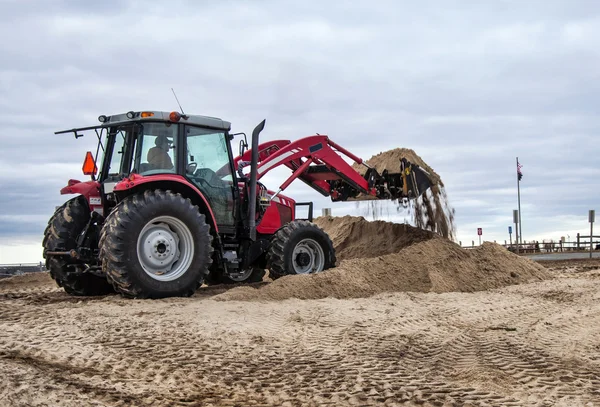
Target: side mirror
[243, 147]
[243, 142]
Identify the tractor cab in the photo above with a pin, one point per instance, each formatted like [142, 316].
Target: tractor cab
[149, 145]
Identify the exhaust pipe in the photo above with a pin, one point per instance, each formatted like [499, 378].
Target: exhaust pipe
[253, 174]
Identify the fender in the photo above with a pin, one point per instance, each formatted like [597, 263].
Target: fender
[84, 188]
[90, 191]
[135, 180]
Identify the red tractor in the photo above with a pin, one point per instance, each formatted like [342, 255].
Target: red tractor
[169, 207]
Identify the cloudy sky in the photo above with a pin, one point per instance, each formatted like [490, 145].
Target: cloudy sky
[469, 85]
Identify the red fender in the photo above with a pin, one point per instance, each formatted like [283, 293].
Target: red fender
[135, 180]
[84, 188]
[90, 191]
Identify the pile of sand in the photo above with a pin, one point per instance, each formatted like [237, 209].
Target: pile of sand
[431, 265]
[389, 160]
[355, 237]
[431, 211]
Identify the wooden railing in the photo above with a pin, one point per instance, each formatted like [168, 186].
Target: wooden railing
[582, 244]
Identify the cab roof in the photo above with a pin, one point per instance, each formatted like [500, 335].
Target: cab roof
[154, 115]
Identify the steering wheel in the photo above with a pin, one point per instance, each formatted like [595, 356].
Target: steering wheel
[209, 177]
[191, 168]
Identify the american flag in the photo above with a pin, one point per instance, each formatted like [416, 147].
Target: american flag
[519, 173]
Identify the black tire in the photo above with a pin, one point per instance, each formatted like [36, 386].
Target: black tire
[216, 277]
[281, 259]
[119, 240]
[61, 235]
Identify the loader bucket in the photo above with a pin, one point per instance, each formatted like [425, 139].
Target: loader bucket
[409, 181]
[415, 179]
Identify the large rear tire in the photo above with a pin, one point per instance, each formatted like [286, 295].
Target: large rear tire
[61, 235]
[300, 247]
[156, 244]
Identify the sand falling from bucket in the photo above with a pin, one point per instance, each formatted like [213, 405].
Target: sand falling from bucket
[431, 211]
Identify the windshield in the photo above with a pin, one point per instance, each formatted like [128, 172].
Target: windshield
[207, 149]
[156, 148]
[145, 148]
[208, 167]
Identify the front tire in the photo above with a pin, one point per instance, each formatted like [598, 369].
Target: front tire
[156, 244]
[300, 247]
[61, 235]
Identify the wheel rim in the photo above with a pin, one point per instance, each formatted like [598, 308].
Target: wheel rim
[165, 248]
[241, 276]
[308, 257]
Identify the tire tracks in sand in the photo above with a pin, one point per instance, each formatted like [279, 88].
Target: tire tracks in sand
[533, 344]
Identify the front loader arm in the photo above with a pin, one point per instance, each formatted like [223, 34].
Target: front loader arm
[269, 148]
[317, 161]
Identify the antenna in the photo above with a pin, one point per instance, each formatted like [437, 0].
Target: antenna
[181, 108]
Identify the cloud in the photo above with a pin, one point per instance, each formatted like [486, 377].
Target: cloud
[468, 85]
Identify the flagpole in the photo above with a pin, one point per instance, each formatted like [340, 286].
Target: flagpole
[519, 203]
